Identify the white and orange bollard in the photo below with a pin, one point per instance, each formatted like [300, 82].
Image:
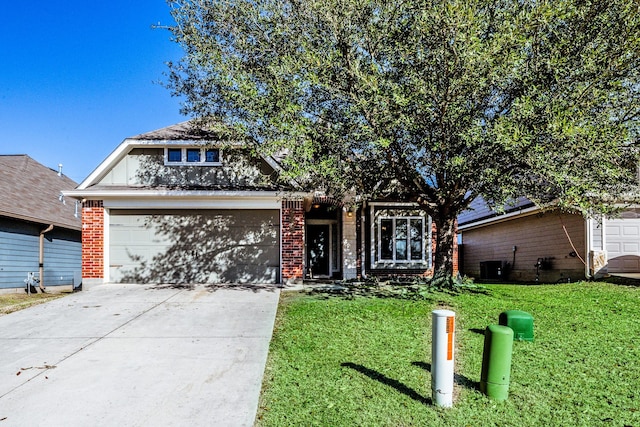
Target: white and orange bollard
[442, 360]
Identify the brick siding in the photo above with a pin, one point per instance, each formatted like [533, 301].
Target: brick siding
[292, 241]
[92, 239]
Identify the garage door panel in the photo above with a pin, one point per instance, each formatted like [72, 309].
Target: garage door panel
[624, 264]
[630, 263]
[614, 247]
[623, 243]
[200, 247]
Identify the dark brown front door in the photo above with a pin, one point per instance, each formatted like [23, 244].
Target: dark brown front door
[318, 239]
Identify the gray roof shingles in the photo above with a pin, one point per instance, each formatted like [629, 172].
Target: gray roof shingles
[188, 131]
[479, 210]
[30, 192]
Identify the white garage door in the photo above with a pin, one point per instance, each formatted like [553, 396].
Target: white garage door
[204, 246]
[623, 243]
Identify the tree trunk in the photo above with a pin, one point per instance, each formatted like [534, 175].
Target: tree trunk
[444, 251]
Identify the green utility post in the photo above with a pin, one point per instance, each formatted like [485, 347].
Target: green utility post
[496, 362]
[520, 321]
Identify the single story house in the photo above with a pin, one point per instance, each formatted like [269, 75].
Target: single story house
[39, 230]
[176, 205]
[527, 244]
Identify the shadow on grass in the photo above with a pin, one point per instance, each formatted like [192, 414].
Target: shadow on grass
[621, 280]
[406, 289]
[461, 380]
[377, 376]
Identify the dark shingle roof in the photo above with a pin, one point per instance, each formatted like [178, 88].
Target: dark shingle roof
[30, 192]
[190, 130]
[479, 210]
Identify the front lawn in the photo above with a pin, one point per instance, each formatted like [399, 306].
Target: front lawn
[365, 361]
[11, 302]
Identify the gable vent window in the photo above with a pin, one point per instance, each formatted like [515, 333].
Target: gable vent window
[212, 155]
[174, 155]
[192, 156]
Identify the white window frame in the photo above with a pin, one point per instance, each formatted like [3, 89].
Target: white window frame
[394, 220]
[183, 156]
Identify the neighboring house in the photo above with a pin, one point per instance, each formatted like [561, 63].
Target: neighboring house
[38, 232]
[527, 244]
[177, 206]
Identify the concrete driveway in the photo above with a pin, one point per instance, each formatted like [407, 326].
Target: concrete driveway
[132, 355]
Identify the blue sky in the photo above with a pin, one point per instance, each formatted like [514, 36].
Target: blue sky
[78, 77]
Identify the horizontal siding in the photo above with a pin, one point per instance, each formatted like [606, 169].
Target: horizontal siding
[535, 236]
[597, 232]
[62, 259]
[19, 254]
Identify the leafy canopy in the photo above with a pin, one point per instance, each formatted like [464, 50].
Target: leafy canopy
[437, 101]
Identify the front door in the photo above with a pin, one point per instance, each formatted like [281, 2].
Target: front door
[318, 250]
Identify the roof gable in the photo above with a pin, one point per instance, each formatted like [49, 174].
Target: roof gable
[31, 190]
[178, 135]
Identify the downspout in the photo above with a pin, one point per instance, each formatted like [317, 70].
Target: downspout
[41, 256]
[589, 248]
[363, 240]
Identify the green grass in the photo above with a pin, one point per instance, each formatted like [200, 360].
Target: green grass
[365, 361]
[11, 302]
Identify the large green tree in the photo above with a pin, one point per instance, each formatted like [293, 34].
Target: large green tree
[436, 101]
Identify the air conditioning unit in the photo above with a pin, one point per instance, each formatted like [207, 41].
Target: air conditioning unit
[492, 270]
